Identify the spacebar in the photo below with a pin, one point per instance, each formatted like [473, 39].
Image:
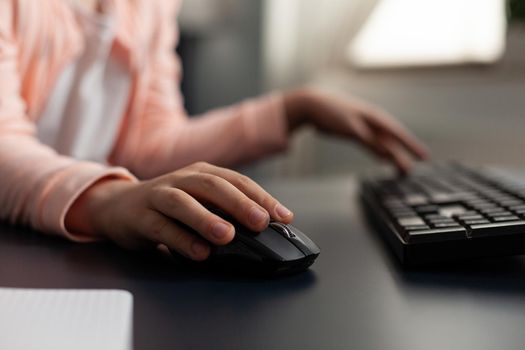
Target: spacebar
[501, 228]
[435, 235]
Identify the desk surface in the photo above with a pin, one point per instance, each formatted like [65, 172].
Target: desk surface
[355, 296]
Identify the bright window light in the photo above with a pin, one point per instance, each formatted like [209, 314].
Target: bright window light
[430, 32]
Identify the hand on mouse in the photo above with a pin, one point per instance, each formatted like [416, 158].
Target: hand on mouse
[136, 215]
[374, 128]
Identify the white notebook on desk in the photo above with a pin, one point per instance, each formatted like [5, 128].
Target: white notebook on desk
[65, 319]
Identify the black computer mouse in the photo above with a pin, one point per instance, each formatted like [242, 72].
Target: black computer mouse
[279, 249]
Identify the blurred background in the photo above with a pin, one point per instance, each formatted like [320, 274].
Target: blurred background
[453, 71]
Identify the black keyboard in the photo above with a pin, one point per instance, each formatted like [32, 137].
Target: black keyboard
[448, 212]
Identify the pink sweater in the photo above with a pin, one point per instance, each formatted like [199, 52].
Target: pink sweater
[38, 39]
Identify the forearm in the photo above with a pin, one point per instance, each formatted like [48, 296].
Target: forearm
[226, 137]
[38, 186]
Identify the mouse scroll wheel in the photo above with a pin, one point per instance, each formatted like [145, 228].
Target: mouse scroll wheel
[282, 229]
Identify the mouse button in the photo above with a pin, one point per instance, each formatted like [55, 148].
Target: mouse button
[282, 229]
[279, 245]
[296, 237]
[303, 241]
[235, 248]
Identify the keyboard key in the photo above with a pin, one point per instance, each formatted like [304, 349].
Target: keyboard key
[492, 210]
[479, 201]
[416, 227]
[411, 221]
[435, 235]
[498, 214]
[399, 206]
[510, 202]
[438, 198]
[451, 210]
[436, 217]
[392, 201]
[448, 198]
[443, 225]
[469, 212]
[400, 209]
[444, 222]
[476, 222]
[403, 212]
[484, 206]
[500, 228]
[502, 199]
[416, 199]
[424, 209]
[505, 218]
[470, 217]
[399, 217]
[495, 195]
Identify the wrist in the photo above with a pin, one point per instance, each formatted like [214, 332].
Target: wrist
[298, 104]
[89, 213]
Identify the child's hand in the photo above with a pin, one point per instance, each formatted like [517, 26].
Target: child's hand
[372, 127]
[135, 215]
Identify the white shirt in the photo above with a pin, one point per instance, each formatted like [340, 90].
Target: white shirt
[83, 113]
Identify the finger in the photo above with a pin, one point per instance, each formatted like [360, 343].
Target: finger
[361, 131]
[163, 230]
[255, 192]
[387, 123]
[412, 144]
[379, 150]
[409, 141]
[370, 139]
[396, 154]
[163, 249]
[179, 205]
[367, 136]
[221, 193]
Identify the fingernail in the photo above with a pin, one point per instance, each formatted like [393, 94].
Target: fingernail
[199, 248]
[220, 230]
[257, 216]
[282, 211]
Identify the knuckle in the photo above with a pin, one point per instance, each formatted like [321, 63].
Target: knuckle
[243, 182]
[268, 201]
[180, 241]
[175, 177]
[209, 182]
[156, 226]
[200, 166]
[247, 185]
[155, 195]
[207, 223]
[175, 196]
[244, 205]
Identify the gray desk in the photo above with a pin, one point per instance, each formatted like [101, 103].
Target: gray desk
[354, 297]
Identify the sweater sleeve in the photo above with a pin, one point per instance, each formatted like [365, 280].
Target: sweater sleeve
[169, 139]
[37, 186]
